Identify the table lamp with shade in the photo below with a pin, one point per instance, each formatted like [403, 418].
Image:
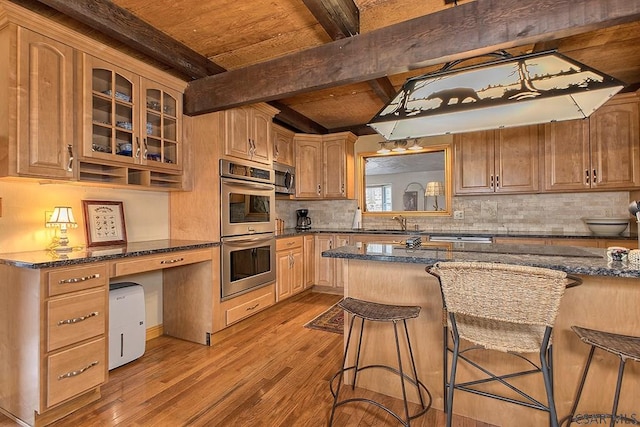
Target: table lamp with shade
[434, 189]
[62, 217]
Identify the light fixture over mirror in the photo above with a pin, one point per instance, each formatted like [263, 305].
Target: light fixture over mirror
[395, 183]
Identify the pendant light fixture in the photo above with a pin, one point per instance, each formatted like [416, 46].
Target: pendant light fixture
[510, 91]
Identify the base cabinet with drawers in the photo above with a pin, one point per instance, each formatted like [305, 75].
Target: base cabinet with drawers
[233, 310]
[53, 336]
[54, 320]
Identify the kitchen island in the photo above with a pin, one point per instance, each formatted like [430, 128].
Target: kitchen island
[607, 299]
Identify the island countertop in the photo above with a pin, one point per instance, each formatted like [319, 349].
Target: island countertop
[574, 260]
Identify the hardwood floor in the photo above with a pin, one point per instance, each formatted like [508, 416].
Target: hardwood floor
[266, 371]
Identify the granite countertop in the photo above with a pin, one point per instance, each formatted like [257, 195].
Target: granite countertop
[48, 258]
[575, 260]
[289, 232]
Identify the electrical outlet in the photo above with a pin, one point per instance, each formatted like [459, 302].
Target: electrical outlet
[458, 214]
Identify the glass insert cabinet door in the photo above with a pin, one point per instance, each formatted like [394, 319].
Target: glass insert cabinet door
[411, 183]
[160, 142]
[132, 119]
[114, 124]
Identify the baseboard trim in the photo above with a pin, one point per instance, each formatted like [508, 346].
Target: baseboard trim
[154, 332]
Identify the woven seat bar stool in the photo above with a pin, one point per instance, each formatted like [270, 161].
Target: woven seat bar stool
[505, 308]
[375, 312]
[624, 346]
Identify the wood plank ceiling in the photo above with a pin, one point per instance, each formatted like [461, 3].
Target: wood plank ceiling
[330, 65]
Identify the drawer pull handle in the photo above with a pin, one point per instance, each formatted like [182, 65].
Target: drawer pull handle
[79, 279]
[77, 319]
[171, 261]
[253, 307]
[78, 372]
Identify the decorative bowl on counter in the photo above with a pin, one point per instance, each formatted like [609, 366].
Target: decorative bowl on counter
[607, 226]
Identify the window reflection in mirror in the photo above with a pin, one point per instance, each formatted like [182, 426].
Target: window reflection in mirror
[409, 183]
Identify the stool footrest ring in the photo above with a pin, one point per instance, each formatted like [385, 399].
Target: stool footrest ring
[407, 378]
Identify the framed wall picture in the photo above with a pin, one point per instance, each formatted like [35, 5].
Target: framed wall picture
[104, 223]
[410, 200]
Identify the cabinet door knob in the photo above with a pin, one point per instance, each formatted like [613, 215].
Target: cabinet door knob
[586, 177]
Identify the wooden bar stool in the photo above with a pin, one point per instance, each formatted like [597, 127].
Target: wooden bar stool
[623, 346]
[374, 312]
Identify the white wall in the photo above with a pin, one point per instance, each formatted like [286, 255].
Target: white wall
[23, 215]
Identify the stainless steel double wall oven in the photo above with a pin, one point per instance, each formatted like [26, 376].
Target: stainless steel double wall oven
[247, 197]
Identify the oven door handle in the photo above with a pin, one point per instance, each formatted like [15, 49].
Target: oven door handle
[252, 185]
[243, 242]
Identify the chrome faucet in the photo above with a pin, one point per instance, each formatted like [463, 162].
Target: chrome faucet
[402, 220]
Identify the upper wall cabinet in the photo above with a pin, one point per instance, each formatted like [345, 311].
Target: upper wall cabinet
[130, 120]
[37, 105]
[325, 166]
[282, 145]
[497, 161]
[599, 153]
[248, 133]
[66, 115]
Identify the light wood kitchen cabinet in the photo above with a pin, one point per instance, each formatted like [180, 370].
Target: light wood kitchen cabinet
[309, 260]
[603, 152]
[239, 308]
[308, 152]
[330, 272]
[282, 139]
[567, 165]
[325, 166]
[497, 161]
[65, 122]
[248, 133]
[614, 136]
[600, 242]
[39, 91]
[132, 129]
[58, 354]
[289, 267]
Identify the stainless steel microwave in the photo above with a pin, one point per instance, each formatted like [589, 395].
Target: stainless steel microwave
[284, 178]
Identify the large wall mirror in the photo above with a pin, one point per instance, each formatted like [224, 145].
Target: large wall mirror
[411, 183]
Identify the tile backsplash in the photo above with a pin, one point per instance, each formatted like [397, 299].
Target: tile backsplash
[546, 213]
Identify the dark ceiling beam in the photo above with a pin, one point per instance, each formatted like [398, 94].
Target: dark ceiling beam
[339, 18]
[358, 130]
[295, 120]
[122, 25]
[341, 25]
[383, 88]
[470, 29]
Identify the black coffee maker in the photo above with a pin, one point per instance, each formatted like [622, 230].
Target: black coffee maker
[304, 222]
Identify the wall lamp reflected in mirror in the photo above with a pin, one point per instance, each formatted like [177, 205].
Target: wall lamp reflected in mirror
[62, 218]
